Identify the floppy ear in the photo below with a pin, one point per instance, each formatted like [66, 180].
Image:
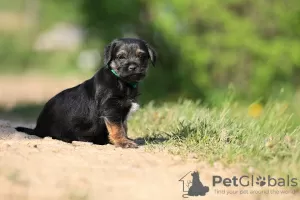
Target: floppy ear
[152, 54]
[108, 50]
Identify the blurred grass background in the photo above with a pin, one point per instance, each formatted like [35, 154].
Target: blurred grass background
[205, 48]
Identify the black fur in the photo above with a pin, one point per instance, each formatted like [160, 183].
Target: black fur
[78, 113]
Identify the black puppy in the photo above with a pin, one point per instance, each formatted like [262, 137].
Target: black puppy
[97, 110]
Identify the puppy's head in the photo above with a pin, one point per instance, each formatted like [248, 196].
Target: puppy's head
[129, 58]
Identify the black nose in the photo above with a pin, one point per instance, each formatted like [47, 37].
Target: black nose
[132, 67]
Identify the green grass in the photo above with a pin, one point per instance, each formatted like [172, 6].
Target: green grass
[268, 143]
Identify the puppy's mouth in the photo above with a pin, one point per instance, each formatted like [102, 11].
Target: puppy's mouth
[136, 77]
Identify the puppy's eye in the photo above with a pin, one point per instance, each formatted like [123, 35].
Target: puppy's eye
[141, 55]
[121, 56]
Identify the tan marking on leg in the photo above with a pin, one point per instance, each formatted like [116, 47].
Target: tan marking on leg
[117, 135]
[116, 131]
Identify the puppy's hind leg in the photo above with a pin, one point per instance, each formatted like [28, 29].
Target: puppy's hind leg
[117, 135]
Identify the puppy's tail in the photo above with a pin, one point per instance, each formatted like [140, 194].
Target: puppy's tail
[29, 131]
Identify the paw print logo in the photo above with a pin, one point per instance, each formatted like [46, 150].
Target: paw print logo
[261, 181]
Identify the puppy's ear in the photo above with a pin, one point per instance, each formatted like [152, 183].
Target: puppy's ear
[108, 51]
[152, 54]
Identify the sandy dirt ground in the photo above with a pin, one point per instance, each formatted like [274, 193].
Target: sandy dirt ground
[36, 169]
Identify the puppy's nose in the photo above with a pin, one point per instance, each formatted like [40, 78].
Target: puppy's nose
[132, 67]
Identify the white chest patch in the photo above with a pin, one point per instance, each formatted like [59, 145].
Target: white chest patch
[134, 107]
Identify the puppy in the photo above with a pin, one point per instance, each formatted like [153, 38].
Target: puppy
[97, 110]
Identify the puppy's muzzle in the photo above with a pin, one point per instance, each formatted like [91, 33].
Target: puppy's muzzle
[137, 76]
[132, 68]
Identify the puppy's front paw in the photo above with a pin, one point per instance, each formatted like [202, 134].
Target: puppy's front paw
[126, 144]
